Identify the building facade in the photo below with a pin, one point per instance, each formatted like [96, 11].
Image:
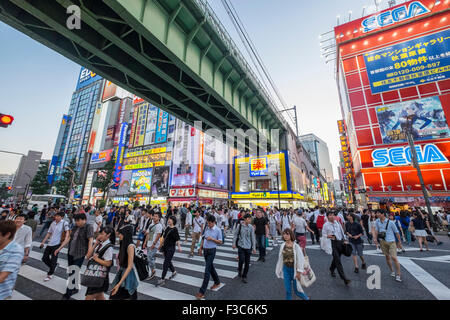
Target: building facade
[25, 173]
[6, 179]
[75, 130]
[393, 73]
[320, 155]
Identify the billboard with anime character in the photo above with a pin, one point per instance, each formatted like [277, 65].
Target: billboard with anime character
[428, 120]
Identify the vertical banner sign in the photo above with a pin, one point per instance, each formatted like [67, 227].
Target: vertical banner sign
[200, 161]
[133, 127]
[161, 127]
[119, 155]
[140, 125]
[150, 130]
[51, 170]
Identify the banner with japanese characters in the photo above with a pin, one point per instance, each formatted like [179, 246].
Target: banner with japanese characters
[409, 63]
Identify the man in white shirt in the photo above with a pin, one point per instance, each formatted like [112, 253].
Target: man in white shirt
[23, 236]
[235, 216]
[221, 222]
[55, 232]
[333, 230]
[98, 222]
[197, 223]
[154, 232]
[285, 221]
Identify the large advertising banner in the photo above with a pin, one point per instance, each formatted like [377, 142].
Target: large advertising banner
[109, 90]
[150, 130]
[161, 127]
[215, 169]
[140, 125]
[51, 170]
[119, 155]
[103, 156]
[184, 170]
[141, 181]
[414, 62]
[160, 181]
[428, 120]
[125, 183]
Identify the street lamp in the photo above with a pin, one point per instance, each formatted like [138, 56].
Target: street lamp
[408, 129]
[277, 175]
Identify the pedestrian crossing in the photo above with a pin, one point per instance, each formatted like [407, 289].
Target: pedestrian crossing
[184, 286]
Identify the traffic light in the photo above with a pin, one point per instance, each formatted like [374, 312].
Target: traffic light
[5, 120]
[9, 188]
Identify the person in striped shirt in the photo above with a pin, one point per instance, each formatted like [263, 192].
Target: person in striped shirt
[11, 256]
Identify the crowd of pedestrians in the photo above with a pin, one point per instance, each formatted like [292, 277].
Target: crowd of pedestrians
[88, 234]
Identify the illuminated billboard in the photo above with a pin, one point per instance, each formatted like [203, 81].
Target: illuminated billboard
[119, 155]
[422, 60]
[103, 156]
[428, 120]
[160, 181]
[141, 181]
[275, 163]
[258, 167]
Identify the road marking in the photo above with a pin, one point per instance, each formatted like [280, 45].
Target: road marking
[144, 288]
[18, 296]
[436, 288]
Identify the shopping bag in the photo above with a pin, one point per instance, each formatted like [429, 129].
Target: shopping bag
[325, 245]
[309, 277]
[94, 276]
[347, 249]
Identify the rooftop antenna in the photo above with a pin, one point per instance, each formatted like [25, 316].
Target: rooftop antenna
[364, 11]
[337, 17]
[391, 3]
[350, 15]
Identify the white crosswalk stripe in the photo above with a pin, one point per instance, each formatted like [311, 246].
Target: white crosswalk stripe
[188, 280]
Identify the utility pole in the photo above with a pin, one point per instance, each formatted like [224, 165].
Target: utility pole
[407, 128]
[295, 117]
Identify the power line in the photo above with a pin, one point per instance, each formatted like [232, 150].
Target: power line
[249, 46]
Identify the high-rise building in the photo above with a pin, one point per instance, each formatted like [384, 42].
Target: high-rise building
[25, 173]
[393, 77]
[6, 179]
[75, 130]
[318, 151]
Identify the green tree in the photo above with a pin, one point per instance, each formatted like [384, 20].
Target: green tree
[104, 182]
[4, 192]
[39, 184]
[63, 185]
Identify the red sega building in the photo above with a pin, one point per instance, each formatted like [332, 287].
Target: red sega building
[390, 66]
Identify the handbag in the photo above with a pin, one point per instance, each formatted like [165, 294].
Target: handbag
[325, 245]
[95, 274]
[347, 249]
[309, 278]
[141, 264]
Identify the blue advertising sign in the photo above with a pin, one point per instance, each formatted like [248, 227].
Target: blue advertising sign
[162, 127]
[119, 155]
[51, 170]
[86, 77]
[410, 63]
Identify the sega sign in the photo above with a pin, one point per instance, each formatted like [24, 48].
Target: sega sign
[399, 14]
[400, 156]
[86, 77]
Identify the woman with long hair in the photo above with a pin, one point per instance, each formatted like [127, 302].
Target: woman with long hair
[103, 254]
[167, 247]
[125, 283]
[290, 265]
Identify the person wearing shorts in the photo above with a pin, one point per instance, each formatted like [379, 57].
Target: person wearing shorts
[354, 232]
[385, 233]
[299, 226]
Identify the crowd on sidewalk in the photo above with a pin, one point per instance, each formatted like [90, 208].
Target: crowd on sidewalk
[88, 234]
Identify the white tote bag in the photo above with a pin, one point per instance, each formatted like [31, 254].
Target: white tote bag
[309, 278]
[325, 245]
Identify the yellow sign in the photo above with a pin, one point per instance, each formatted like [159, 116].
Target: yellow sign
[144, 165]
[267, 195]
[145, 152]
